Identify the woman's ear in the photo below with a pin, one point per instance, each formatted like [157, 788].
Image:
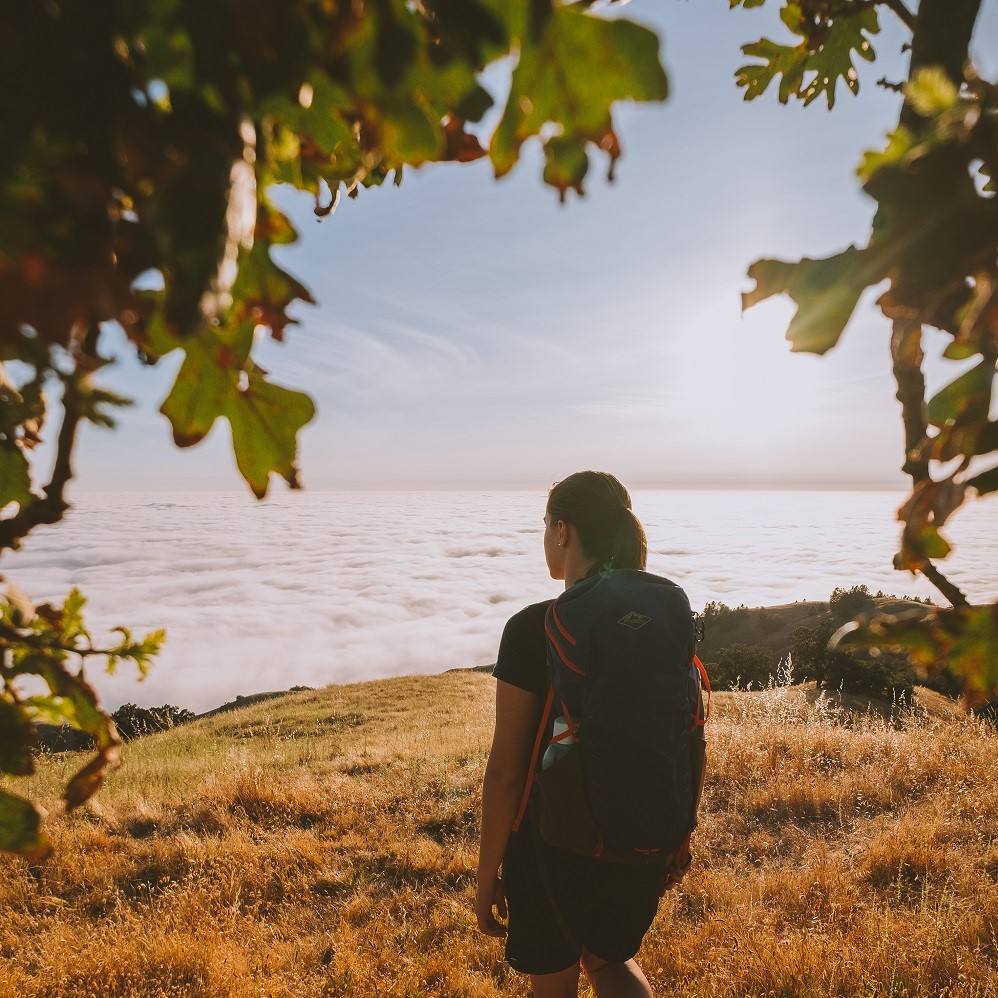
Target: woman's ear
[564, 533]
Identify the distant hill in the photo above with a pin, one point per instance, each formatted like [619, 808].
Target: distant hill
[254, 698]
[63, 738]
[773, 627]
[768, 627]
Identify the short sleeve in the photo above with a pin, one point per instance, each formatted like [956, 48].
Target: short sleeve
[522, 658]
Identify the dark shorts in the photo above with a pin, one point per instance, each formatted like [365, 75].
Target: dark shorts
[605, 907]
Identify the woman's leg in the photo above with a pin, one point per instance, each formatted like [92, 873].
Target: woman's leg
[616, 980]
[564, 984]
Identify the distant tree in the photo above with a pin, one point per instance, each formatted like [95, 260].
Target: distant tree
[848, 603]
[886, 674]
[134, 722]
[714, 612]
[738, 665]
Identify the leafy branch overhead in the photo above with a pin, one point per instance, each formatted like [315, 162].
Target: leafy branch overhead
[135, 188]
[164, 123]
[37, 645]
[935, 242]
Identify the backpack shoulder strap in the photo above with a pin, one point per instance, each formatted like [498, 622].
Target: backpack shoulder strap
[541, 728]
[702, 711]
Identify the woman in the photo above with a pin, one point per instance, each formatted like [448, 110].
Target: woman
[564, 911]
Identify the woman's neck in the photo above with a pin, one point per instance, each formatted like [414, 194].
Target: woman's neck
[576, 572]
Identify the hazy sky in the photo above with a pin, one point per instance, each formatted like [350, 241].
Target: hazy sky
[473, 333]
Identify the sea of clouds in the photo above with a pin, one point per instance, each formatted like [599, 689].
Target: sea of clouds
[317, 587]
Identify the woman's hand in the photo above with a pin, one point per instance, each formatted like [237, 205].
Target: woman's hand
[677, 866]
[491, 895]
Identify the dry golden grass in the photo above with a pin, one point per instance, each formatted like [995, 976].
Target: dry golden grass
[324, 844]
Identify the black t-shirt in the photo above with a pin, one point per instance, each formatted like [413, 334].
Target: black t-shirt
[522, 658]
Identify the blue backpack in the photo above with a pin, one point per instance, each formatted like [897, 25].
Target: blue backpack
[623, 673]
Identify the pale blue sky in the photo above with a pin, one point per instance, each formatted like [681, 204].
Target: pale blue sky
[473, 333]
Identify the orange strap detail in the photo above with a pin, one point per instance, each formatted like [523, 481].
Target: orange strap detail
[561, 626]
[699, 722]
[533, 759]
[558, 650]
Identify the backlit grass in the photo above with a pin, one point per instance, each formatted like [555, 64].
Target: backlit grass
[324, 844]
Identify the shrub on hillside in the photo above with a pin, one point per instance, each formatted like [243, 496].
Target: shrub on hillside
[848, 603]
[133, 722]
[736, 666]
[887, 674]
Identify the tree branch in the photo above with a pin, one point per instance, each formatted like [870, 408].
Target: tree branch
[953, 593]
[846, 8]
[54, 505]
[10, 636]
[897, 88]
[906, 17]
[907, 357]
[942, 33]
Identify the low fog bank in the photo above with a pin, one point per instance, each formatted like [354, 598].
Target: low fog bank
[317, 588]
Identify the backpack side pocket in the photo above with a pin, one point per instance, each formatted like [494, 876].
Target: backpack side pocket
[563, 814]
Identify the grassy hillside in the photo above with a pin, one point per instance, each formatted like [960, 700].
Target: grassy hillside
[323, 844]
[773, 627]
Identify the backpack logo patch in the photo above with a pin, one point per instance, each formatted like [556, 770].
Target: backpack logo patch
[634, 620]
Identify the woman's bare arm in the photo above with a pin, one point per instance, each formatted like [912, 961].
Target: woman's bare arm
[518, 713]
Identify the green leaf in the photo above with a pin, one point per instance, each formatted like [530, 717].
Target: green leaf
[141, 652]
[826, 292]
[15, 476]
[409, 133]
[265, 425]
[317, 112]
[823, 57]
[900, 144]
[963, 639]
[570, 78]
[17, 738]
[566, 164]
[923, 539]
[968, 394]
[20, 824]
[207, 379]
[51, 710]
[265, 418]
[168, 55]
[262, 291]
[833, 61]
[929, 506]
[71, 625]
[789, 62]
[931, 92]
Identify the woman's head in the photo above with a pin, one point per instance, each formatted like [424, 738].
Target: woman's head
[599, 508]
